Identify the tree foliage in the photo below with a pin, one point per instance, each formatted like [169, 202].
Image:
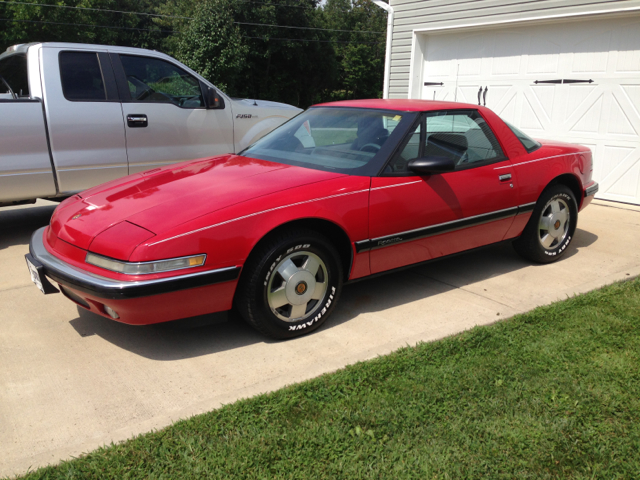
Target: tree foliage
[89, 23]
[239, 45]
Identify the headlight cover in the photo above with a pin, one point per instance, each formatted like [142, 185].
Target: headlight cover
[144, 268]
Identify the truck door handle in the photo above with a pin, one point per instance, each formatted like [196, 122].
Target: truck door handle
[505, 177]
[137, 120]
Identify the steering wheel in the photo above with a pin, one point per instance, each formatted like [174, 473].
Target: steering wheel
[13, 94]
[374, 146]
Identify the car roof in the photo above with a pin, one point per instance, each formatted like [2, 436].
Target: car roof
[401, 105]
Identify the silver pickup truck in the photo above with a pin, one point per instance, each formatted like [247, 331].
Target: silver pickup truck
[73, 116]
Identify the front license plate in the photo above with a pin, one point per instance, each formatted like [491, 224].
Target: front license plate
[35, 275]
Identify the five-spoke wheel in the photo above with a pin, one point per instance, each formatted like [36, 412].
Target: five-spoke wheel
[554, 223]
[296, 286]
[551, 226]
[290, 284]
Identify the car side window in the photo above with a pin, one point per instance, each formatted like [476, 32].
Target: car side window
[463, 136]
[152, 80]
[81, 77]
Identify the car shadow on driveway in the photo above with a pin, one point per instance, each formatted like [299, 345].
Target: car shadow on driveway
[18, 224]
[170, 342]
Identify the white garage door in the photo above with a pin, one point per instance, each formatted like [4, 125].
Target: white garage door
[575, 81]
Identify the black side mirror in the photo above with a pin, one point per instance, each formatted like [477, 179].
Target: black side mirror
[213, 98]
[428, 165]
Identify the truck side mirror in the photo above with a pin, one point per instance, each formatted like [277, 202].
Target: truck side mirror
[213, 99]
[431, 164]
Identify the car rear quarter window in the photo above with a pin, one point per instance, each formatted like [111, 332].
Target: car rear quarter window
[81, 77]
[527, 142]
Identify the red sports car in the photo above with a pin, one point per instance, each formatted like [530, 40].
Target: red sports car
[342, 191]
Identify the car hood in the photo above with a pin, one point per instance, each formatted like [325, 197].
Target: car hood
[142, 205]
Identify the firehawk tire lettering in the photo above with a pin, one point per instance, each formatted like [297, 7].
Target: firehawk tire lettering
[529, 245]
[272, 263]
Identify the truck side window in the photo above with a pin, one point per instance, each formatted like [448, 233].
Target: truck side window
[152, 80]
[81, 77]
[14, 71]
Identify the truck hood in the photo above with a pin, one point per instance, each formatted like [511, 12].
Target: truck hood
[142, 205]
[251, 104]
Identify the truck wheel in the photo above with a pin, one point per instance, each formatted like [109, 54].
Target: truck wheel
[551, 227]
[290, 286]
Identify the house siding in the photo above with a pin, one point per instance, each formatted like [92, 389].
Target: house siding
[431, 14]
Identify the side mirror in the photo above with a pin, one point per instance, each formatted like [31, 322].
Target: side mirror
[213, 98]
[428, 165]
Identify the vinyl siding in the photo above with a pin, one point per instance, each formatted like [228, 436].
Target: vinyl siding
[427, 14]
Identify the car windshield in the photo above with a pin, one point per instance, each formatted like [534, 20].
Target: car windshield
[529, 143]
[328, 138]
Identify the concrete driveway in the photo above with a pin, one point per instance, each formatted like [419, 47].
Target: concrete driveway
[71, 381]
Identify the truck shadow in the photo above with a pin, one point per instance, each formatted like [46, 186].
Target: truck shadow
[171, 342]
[17, 224]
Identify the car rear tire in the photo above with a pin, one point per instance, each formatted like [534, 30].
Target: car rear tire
[551, 227]
[290, 284]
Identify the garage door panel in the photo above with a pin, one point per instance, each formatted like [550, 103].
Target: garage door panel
[622, 119]
[543, 56]
[507, 108]
[622, 181]
[533, 116]
[575, 96]
[591, 54]
[625, 44]
[586, 118]
[506, 53]
[632, 92]
[544, 97]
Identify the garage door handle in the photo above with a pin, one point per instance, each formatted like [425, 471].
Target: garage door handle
[505, 177]
[137, 120]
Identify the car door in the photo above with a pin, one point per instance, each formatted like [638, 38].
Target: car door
[165, 114]
[84, 117]
[416, 218]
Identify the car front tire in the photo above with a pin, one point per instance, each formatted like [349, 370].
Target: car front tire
[290, 284]
[551, 227]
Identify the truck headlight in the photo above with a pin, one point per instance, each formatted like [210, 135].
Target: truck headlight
[143, 268]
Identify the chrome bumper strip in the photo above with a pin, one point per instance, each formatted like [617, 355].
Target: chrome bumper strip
[108, 288]
[592, 190]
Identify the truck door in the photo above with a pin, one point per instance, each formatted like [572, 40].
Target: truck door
[165, 114]
[84, 117]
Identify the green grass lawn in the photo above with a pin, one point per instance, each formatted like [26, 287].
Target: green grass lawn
[554, 393]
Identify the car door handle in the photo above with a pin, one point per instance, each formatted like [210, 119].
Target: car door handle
[137, 120]
[505, 177]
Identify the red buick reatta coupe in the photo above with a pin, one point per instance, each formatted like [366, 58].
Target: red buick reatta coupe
[342, 191]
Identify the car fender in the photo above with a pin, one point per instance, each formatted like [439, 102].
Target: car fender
[228, 236]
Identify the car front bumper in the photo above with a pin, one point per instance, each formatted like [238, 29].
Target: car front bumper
[136, 302]
[591, 190]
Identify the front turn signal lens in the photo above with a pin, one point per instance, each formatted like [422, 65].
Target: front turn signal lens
[145, 268]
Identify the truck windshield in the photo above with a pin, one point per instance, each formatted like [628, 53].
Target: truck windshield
[14, 71]
[336, 139]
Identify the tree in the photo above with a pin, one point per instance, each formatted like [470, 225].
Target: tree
[212, 44]
[359, 53]
[80, 21]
